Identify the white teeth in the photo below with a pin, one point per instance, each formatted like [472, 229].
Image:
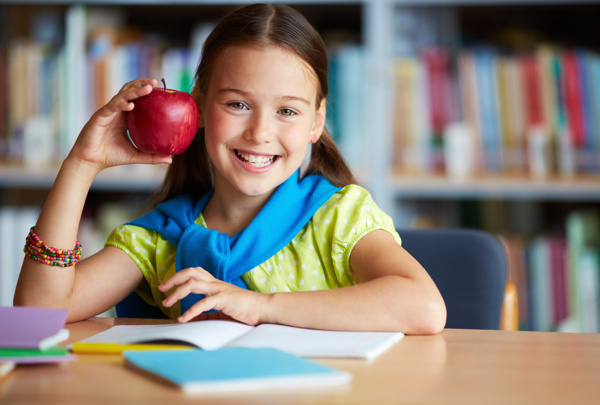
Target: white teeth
[255, 160]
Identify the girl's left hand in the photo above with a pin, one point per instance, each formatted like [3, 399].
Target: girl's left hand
[234, 302]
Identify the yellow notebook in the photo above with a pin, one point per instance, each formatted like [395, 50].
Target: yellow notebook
[117, 348]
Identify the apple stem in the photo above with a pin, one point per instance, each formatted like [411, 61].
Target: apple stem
[164, 83]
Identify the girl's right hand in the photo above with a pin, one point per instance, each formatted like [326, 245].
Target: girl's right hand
[103, 141]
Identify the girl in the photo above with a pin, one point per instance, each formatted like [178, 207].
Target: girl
[239, 231]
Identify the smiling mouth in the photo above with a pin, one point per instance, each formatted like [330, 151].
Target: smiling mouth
[256, 160]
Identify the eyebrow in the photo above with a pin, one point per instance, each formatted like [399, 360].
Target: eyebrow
[246, 94]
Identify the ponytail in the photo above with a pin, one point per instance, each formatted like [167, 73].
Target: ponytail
[327, 161]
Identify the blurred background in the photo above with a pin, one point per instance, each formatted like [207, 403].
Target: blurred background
[474, 114]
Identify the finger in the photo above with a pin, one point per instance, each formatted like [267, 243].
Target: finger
[152, 158]
[178, 294]
[139, 83]
[206, 304]
[181, 277]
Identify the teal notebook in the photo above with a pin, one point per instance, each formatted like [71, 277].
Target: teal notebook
[233, 369]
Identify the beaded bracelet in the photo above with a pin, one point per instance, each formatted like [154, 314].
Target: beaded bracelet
[36, 249]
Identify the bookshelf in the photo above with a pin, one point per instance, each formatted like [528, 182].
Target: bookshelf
[366, 38]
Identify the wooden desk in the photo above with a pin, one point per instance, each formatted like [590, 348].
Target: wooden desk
[455, 367]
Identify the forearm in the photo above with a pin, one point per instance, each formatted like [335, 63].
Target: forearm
[41, 284]
[390, 303]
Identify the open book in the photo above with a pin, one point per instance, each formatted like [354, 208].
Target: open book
[217, 334]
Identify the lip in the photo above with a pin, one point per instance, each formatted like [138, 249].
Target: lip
[252, 169]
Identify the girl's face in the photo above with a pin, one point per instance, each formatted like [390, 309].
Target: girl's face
[260, 113]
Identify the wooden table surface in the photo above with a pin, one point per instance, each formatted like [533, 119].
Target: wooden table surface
[454, 367]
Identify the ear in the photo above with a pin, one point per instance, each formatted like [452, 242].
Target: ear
[319, 123]
[199, 98]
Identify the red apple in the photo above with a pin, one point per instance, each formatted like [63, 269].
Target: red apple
[164, 121]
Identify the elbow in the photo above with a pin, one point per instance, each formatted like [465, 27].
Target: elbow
[435, 318]
[430, 318]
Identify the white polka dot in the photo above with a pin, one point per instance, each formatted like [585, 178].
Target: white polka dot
[133, 235]
[315, 227]
[303, 267]
[291, 276]
[324, 207]
[301, 282]
[137, 248]
[269, 267]
[262, 280]
[273, 289]
[287, 289]
[367, 208]
[157, 251]
[314, 287]
[315, 272]
[279, 267]
[122, 229]
[311, 247]
[295, 262]
[327, 220]
[338, 196]
[341, 255]
[345, 220]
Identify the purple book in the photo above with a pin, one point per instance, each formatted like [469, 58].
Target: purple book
[32, 328]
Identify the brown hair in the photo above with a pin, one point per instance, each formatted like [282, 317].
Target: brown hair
[274, 25]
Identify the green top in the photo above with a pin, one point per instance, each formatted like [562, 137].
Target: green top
[316, 259]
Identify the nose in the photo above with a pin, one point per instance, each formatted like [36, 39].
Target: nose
[260, 129]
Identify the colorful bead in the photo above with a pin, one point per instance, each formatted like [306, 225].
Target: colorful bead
[36, 249]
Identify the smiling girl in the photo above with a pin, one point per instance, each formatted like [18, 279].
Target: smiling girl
[241, 232]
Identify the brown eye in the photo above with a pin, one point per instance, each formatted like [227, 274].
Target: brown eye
[287, 112]
[238, 106]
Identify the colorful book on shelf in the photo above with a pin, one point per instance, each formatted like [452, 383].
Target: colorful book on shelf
[32, 328]
[436, 67]
[217, 334]
[573, 99]
[583, 241]
[590, 143]
[594, 83]
[557, 246]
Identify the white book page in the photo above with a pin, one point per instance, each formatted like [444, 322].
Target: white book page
[318, 343]
[208, 335]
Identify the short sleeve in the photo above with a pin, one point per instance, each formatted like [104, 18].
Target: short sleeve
[318, 258]
[154, 256]
[347, 217]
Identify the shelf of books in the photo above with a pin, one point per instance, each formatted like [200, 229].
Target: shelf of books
[501, 103]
